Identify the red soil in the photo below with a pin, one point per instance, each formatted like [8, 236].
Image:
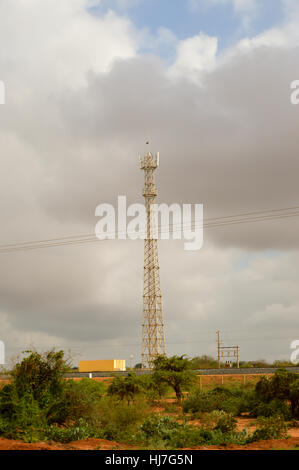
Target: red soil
[275, 444]
[85, 444]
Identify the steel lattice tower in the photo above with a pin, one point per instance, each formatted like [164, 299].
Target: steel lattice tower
[153, 339]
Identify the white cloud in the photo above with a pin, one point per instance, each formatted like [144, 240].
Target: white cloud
[277, 315]
[195, 55]
[285, 37]
[59, 43]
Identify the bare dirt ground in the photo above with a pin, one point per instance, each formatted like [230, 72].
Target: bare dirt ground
[85, 444]
[275, 444]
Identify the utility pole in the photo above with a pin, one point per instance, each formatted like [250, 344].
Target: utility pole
[227, 352]
[218, 347]
[153, 339]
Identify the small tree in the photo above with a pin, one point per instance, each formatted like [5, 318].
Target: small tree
[153, 389]
[278, 393]
[41, 374]
[175, 372]
[125, 387]
[36, 395]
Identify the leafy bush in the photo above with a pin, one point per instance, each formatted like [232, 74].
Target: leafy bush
[164, 431]
[27, 421]
[198, 401]
[201, 436]
[233, 400]
[40, 404]
[118, 420]
[159, 427]
[34, 397]
[272, 408]
[39, 396]
[219, 420]
[270, 428]
[277, 395]
[153, 388]
[81, 430]
[294, 398]
[81, 400]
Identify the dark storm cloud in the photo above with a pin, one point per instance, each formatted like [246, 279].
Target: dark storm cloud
[230, 143]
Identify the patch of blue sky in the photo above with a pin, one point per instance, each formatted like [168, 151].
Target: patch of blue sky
[243, 261]
[272, 253]
[183, 21]
[246, 259]
[270, 15]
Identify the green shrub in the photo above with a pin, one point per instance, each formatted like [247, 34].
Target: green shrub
[233, 400]
[277, 395]
[219, 420]
[36, 390]
[159, 427]
[153, 388]
[270, 428]
[200, 436]
[73, 433]
[39, 396]
[272, 408]
[294, 398]
[164, 431]
[118, 420]
[81, 400]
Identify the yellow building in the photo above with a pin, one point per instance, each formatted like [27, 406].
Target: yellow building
[103, 365]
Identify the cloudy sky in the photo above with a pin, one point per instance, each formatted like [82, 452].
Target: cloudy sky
[208, 83]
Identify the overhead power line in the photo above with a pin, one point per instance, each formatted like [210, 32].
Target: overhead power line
[212, 222]
[206, 341]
